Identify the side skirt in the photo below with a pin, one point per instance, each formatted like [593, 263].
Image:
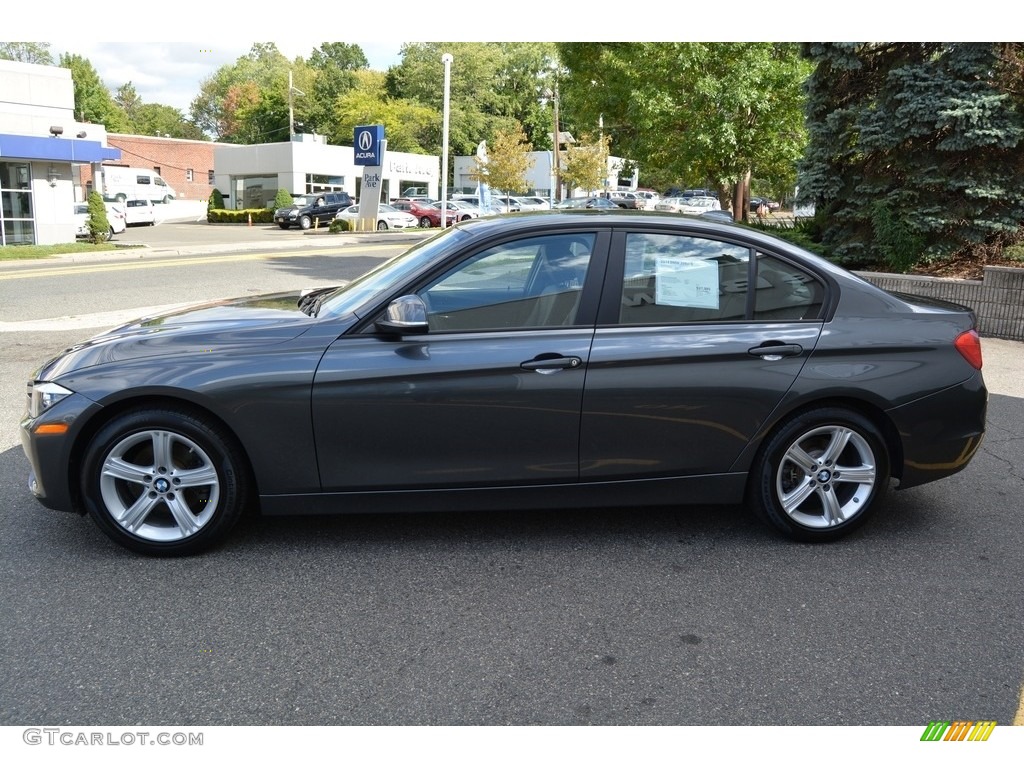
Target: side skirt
[703, 489]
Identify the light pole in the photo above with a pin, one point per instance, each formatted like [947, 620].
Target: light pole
[447, 60]
[557, 197]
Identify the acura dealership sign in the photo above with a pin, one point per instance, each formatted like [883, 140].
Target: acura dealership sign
[367, 145]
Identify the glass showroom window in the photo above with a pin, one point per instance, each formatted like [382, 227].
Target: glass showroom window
[316, 182]
[16, 211]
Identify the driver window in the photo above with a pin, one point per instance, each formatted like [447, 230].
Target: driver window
[531, 283]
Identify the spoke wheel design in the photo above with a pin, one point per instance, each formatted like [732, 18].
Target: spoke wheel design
[826, 476]
[159, 485]
[820, 475]
[164, 481]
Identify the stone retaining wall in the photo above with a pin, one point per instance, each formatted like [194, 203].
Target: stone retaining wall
[997, 299]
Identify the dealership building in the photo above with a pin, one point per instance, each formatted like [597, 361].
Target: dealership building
[249, 175]
[42, 149]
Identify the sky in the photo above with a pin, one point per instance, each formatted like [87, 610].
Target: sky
[172, 73]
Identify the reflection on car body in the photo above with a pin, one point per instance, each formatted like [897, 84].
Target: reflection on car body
[560, 359]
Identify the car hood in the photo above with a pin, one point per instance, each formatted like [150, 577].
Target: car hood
[212, 327]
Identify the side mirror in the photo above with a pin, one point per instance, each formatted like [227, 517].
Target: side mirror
[404, 316]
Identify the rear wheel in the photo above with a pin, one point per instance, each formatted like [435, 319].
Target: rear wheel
[163, 482]
[425, 222]
[820, 475]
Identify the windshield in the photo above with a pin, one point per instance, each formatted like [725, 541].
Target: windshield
[387, 276]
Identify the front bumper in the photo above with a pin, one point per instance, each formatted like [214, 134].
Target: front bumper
[51, 455]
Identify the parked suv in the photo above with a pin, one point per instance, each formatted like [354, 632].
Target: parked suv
[307, 210]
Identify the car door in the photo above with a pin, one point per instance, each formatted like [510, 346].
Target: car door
[690, 354]
[490, 396]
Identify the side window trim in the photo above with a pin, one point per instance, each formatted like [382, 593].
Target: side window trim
[611, 295]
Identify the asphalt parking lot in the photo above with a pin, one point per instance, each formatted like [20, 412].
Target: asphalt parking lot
[669, 616]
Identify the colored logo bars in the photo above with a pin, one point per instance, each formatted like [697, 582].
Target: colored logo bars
[958, 730]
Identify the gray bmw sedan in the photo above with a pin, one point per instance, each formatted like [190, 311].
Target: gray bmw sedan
[544, 360]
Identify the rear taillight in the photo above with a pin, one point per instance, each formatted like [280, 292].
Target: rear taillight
[968, 344]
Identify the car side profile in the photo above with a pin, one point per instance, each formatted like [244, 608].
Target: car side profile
[313, 210]
[547, 361]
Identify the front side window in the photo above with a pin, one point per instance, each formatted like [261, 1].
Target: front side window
[530, 283]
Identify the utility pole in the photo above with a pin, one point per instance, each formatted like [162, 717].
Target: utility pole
[291, 106]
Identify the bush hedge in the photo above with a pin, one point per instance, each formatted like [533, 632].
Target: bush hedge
[224, 216]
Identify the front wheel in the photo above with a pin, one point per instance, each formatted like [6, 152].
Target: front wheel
[284, 226]
[305, 222]
[820, 475]
[381, 226]
[163, 482]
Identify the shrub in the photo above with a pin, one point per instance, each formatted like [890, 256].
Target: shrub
[283, 199]
[340, 225]
[99, 226]
[216, 201]
[222, 216]
[1014, 252]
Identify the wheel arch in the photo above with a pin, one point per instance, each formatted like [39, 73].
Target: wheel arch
[879, 418]
[108, 413]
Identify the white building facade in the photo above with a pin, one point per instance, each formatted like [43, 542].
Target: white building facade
[249, 176]
[42, 148]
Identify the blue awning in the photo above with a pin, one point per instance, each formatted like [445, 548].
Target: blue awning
[55, 149]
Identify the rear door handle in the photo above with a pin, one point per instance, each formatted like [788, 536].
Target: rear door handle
[774, 352]
[550, 364]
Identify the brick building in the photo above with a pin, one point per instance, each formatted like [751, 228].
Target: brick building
[185, 164]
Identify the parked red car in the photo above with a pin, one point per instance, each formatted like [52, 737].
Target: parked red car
[428, 214]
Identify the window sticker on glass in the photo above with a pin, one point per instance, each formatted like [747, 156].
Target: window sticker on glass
[683, 282]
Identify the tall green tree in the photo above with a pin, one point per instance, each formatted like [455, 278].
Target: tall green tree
[408, 125]
[494, 87]
[246, 102]
[93, 102]
[691, 113]
[29, 53]
[916, 149]
[333, 73]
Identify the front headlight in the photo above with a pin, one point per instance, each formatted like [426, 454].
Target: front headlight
[42, 395]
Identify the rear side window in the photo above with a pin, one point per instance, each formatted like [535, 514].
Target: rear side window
[681, 279]
[672, 279]
[786, 292]
[142, 180]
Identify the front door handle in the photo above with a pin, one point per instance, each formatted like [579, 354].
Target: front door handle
[551, 363]
[776, 351]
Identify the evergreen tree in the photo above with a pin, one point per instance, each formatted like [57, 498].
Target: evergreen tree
[916, 149]
[99, 225]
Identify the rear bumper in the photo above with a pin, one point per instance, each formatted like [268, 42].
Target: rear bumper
[941, 433]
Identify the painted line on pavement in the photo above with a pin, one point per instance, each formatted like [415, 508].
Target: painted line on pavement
[168, 263]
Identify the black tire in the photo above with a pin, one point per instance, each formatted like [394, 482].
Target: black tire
[284, 226]
[820, 475]
[305, 222]
[425, 222]
[166, 200]
[120, 197]
[163, 482]
[381, 226]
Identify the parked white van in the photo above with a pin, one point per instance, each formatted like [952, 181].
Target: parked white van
[136, 184]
